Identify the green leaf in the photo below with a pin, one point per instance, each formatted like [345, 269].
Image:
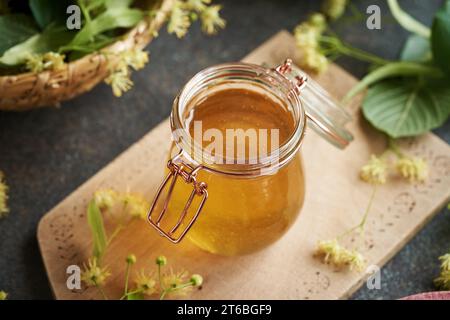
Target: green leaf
[391, 70]
[406, 21]
[110, 19]
[95, 221]
[14, 29]
[115, 4]
[49, 40]
[135, 296]
[406, 107]
[440, 37]
[417, 48]
[48, 11]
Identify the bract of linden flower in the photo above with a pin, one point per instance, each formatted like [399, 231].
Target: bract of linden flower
[334, 253]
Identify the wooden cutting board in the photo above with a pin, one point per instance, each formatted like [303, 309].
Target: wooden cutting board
[335, 201]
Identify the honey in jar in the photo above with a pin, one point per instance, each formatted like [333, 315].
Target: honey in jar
[227, 199]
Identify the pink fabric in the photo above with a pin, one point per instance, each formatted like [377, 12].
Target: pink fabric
[438, 295]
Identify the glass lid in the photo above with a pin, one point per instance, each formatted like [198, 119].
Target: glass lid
[325, 115]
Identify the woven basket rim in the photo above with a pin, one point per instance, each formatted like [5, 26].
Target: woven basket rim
[121, 40]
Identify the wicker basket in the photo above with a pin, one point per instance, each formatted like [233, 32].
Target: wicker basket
[48, 88]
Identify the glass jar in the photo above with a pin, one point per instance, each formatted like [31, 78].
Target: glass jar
[231, 200]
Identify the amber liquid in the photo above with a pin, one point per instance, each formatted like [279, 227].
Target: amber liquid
[243, 215]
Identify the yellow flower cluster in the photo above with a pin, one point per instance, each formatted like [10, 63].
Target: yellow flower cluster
[211, 20]
[334, 8]
[134, 204]
[413, 169]
[3, 196]
[332, 252]
[307, 36]
[185, 11]
[119, 77]
[94, 275]
[146, 283]
[179, 21]
[3, 295]
[172, 284]
[374, 171]
[443, 281]
[48, 61]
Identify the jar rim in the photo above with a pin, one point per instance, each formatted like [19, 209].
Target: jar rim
[268, 164]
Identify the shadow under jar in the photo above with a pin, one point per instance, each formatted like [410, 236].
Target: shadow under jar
[234, 180]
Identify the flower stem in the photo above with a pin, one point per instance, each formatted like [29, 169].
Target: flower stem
[406, 21]
[127, 276]
[363, 221]
[130, 293]
[394, 148]
[336, 45]
[102, 292]
[178, 287]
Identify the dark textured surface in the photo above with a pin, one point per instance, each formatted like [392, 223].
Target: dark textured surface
[46, 154]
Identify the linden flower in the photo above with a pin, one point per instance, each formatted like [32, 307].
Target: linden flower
[34, 63]
[197, 5]
[172, 280]
[443, 281]
[54, 61]
[314, 60]
[196, 280]
[339, 256]
[135, 58]
[145, 283]
[374, 171]
[306, 36]
[94, 275]
[3, 196]
[211, 20]
[105, 198]
[413, 169]
[334, 8]
[179, 21]
[445, 261]
[318, 21]
[3, 295]
[49, 61]
[119, 81]
[136, 205]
